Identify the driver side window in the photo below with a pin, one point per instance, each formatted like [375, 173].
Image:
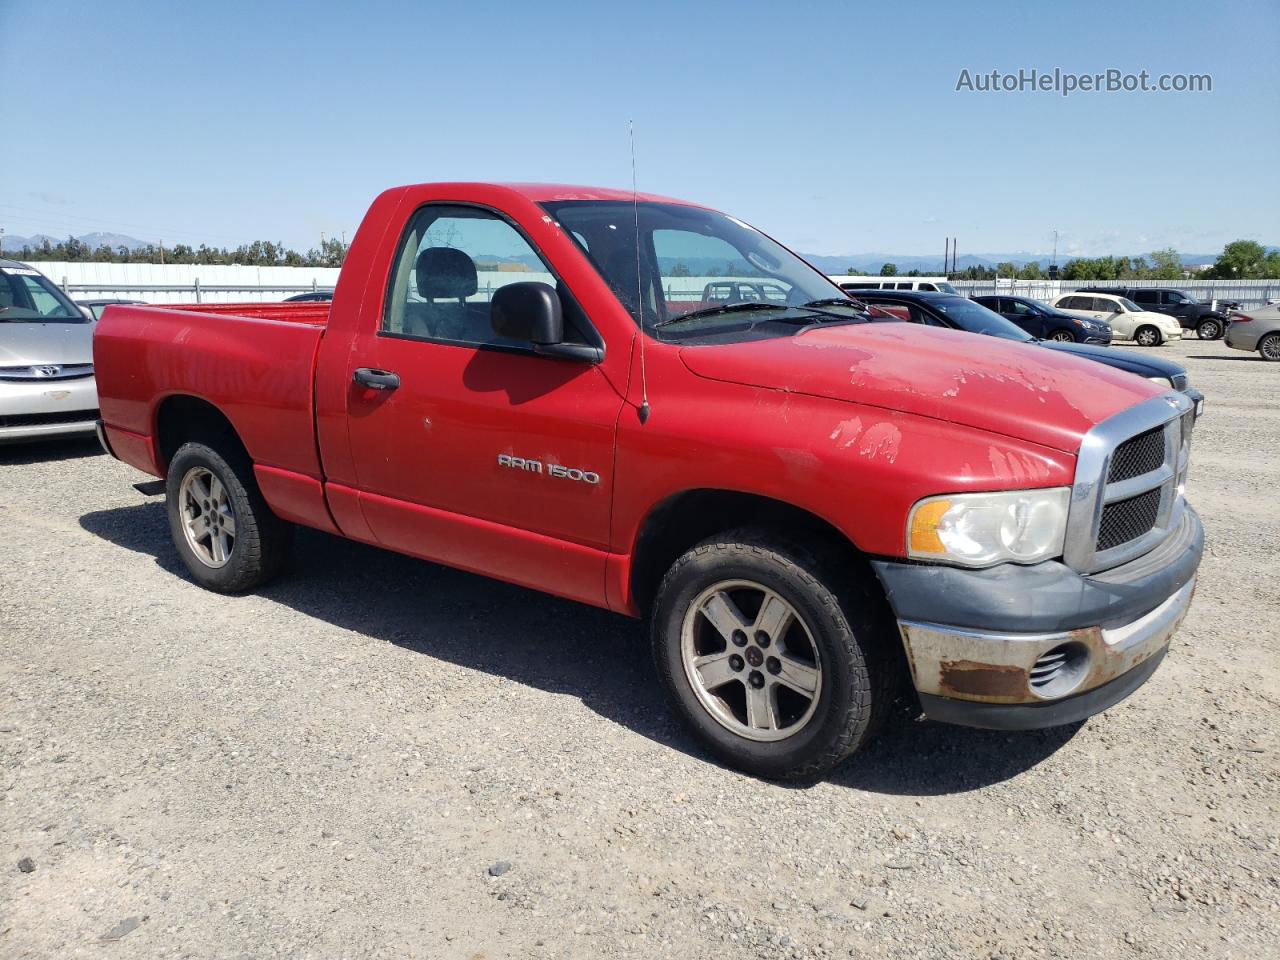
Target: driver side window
[450, 262]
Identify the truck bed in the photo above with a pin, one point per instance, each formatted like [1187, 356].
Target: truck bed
[254, 362]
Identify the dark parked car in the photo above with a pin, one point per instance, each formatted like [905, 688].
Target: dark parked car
[1047, 323]
[1208, 320]
[960, 313]
[95, 307]
[315, 297]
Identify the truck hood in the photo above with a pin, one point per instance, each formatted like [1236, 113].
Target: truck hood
[1020, 390]
[23, 344]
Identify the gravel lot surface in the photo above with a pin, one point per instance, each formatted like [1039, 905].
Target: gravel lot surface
[377, 757]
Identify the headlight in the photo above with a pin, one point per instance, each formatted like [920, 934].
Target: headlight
[1163, 381]
[981, 529]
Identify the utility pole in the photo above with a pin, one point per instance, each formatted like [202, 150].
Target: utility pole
[1055, 248]
[1, 241]
[162, 253]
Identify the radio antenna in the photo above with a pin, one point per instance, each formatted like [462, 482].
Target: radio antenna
[635, 210]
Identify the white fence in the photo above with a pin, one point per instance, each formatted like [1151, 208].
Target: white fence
[184, 283]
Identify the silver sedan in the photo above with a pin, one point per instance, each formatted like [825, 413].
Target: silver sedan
[46, 359]
[1256, 330]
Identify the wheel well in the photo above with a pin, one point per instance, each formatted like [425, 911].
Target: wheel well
[184, 419]
[688, 518]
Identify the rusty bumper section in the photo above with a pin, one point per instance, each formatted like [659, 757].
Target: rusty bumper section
[998, 667]
[972, 669]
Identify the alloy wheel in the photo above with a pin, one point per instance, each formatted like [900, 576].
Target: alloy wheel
[208, 521]
[751, 660]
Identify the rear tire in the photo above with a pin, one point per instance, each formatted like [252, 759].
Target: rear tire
[1148, 336]
[1210, 328]
[776, 670]
[1269, 347]
[222, 527]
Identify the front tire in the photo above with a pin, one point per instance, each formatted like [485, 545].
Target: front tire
[1269, 347]
[774, 672]
[1062, 336]
[1148, 337]
[222, 527]
[1209, 328]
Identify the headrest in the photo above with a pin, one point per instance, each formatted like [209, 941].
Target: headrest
[446, 272]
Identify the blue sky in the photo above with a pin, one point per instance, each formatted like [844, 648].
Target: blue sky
[834, 126]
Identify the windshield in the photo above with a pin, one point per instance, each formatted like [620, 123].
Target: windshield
[696, 261]
[28, 296]
[1129, 305]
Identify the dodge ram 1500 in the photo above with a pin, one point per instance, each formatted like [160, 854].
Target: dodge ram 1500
[815, 512]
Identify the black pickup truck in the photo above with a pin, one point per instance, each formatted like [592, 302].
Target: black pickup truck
[1208, 320]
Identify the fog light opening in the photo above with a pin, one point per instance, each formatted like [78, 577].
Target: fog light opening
[1059, 671]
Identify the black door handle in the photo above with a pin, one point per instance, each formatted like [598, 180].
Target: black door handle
[376, 379]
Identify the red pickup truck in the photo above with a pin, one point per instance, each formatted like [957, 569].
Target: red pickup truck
[813, 510]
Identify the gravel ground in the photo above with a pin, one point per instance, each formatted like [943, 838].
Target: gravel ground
[377, 757]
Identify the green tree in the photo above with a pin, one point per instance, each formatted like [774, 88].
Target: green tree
[889, 270]
[1165, 265]
[1240, 260]
[1030, 271]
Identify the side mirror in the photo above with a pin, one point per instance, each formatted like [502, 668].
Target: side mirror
[527, 311]
[530, 311]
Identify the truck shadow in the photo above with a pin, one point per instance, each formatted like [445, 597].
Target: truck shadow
[48, 451]
[562, 647]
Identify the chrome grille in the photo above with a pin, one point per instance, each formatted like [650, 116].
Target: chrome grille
[1127, 520]
[1143, 454]
[1127, 494]
[44, 373]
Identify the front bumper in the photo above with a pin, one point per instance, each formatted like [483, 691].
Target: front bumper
[35, 409]
[981, 643]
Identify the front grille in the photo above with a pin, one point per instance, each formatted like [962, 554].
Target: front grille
[1127, 520]
[1127, 495]
[1143, 454]
[46, 373]
[47, 419]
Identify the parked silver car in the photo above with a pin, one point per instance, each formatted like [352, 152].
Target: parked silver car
[1256, 330]
[46, 359]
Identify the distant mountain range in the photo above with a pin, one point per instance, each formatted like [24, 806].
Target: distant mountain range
[92, 240]
[870, 263]
[863, 263]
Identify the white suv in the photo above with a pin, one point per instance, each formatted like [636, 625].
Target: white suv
[1128, 320]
